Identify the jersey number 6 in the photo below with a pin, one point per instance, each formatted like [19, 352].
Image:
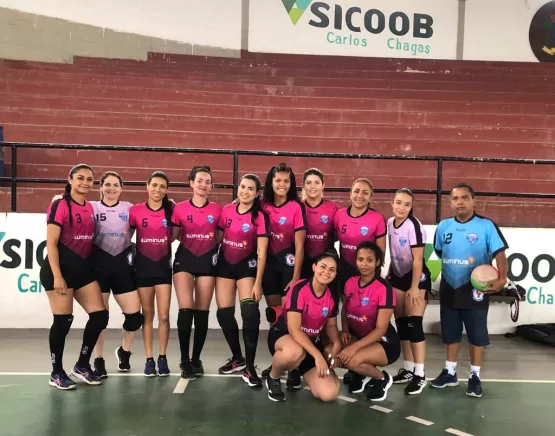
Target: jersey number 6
[144, 222]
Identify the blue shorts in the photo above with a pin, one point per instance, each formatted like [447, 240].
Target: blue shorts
[474, 320]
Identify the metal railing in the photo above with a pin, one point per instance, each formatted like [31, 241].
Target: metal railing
[438, 191]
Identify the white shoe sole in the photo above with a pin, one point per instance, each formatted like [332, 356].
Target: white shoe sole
[249, 384]
[365, 381]
[117, 359]
[83, 379]
[387, 386]
[448, 385]
[236, 369]
[60, 387]
[419, 391]
[270, 397]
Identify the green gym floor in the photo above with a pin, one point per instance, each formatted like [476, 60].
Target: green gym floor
[518, 397]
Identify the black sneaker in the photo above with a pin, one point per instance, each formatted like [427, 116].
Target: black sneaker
[294, 382]
[474, 387]
[123, 359]
[378, 391]
[348, 377]
[163, 369]
[266, 372]
[403, 376]
[275, 393]
[198, 369]
[150, 368]
[358, 384]
[416, 385]
[233, 365]
[187, 371]
[250, 377]
[100, 368]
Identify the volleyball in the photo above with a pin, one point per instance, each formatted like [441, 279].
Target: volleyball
[482, 275]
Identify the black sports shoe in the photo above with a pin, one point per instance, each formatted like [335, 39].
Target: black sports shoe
[266, 372]
[403, 376]
[294, 382]
[359, 383]
[348, 377]
[187, 370]
[100, 368]
[275, 393]
[233, 365]
[123, 359]
[198, 369]
[474, 387]
[378, 391]
[251, 378]
[416, 385]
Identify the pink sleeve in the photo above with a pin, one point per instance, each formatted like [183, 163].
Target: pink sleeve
[387, 298]
[221, 220]
[132, 218]
[263, 225]
[381, 229]
[300, 220]
[295, 299]
[58, 213]
[175, 216]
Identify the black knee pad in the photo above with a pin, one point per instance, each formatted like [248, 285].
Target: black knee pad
[99, 319]
[273, 313]
[185, 319]
[133, 321]
[416, 329]
[250, 314]
[62, 324]
[226, 317]
[403, 330]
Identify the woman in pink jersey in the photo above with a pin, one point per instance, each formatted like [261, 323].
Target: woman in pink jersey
[242, 259]
[369, 338]
[194, 270]
[411, 280]
[152, 224]
[294, 341]
[66, 274]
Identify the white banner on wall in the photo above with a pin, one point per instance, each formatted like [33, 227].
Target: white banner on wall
[381, 28]
[24, 304]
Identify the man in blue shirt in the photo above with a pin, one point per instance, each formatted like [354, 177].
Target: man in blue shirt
[464, 242]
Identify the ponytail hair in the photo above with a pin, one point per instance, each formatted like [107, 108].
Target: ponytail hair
[256, 205]
[67, 190]
[166, 204]
[409, 192]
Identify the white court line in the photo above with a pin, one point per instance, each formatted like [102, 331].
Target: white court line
[457, 432]
[6, 386]
[181, 386]
[419, 420]
[381, 409]
[348, 399]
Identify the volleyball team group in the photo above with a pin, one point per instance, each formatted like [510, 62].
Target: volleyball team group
[274, 246]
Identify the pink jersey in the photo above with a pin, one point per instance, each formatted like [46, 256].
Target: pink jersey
[198, 226]
[363, 303]
[410, 234]
[112, 231]
[315, 311]
[240, 235]
[153, 232]
[319, 233]
[79, 236]
[285, 221]
[351, 231]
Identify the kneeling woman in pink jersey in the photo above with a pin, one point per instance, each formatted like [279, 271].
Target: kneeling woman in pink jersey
[369, 337]
[294, 340]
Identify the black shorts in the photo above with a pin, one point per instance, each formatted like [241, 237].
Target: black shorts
[205, 265]
[275, 280]
[77, 274]
[241, 270]
[114, 273]
[404, 283]
[391, 345]
[277, 332]
[149, 282]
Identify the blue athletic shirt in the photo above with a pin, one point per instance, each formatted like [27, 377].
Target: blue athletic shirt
[461, 248]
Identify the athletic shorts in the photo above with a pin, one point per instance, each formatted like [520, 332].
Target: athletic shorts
[475, 322]
[149, 282]
[114, 273]
[308, 362]
[198, 266]
[391, 345]
[404, 283]
[275, 280]
[77, 274]
[241, 270]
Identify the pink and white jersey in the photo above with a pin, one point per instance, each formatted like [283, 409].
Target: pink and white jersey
[79, 236]
[351, 231]
[402, 240]
[315, 311]
[362, 304]
[153, 231]
[112, 230]
[240, 235]
[198, 226]
[319, 233]
[285, 221]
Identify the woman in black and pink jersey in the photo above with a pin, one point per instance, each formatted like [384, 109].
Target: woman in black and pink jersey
[66, 274]
[241, 263]
[194, 270]
[151, 221]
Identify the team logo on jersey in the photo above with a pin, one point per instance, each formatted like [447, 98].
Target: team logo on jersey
[130, 259]
[364, 230]
[252, 263]
[210, 219]
[165, 222]
[282, 220]
[324, 219]
[215, 259]
[422, 277]
[472, 238]
[245, 227]
[290, 259]
[325, 311]
[123, 216]
[402, 241]
[477, 295]
[364, 301]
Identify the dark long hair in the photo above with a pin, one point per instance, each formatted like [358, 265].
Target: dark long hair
[269, 188]
[372, 246]
[256, 205]
[105, 176]
[409, 192]
[311, 172]
[67, 190]
[166, 204]
[200, 169]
